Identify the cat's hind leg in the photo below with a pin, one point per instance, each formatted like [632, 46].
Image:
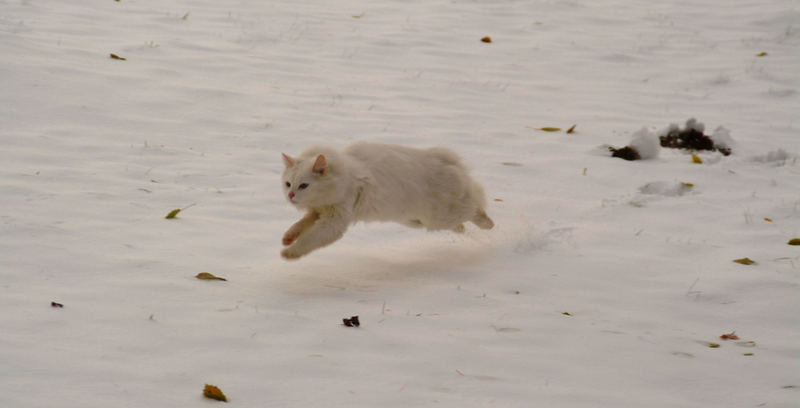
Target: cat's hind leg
[414, 224]
[482, 220]
[300, 227]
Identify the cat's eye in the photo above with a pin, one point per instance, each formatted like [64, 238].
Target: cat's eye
[288, 184]
[302, 186]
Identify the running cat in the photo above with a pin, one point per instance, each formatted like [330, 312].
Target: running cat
[420, 188]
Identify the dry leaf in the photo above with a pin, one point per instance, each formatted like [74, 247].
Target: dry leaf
[56, 304]
[351, 322]
[794, 241]
[713, 345]
[172, 214]
[208, 276]
[729, 336]
[566, 313]
[762, 54]
[486, 39]
[744, 261]
[748, 343]
[767, 219]
[213, 392]
[117, 57]
[498, 200]
[550, 129]
[696, 159]
[572, 129]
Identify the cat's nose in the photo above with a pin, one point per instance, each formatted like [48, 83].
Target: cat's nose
[291, 196]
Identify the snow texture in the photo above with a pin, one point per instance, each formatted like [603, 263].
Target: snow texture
[593, 290]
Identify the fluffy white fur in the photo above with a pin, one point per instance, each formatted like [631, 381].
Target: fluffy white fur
[420, 188]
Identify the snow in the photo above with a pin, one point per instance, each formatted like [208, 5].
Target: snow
[96, 151]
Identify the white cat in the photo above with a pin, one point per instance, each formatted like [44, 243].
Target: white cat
[419, 188]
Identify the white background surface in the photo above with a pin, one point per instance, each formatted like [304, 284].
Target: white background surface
[95, 152]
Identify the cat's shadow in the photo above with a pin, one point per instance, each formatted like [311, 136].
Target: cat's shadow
[347, 270]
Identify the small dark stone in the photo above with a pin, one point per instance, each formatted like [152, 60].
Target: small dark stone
[625, 153]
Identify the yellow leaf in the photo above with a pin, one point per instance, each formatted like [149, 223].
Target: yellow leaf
[794, 241]
[696, 159]
[550, 129]
[213, 392]
[172, 214]
[762, 54]
[744, 261]
[208, 276]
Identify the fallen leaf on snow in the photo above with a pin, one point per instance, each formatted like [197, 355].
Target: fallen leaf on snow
[713, 345]
[172, 214]
[794, 241]
[213, 392]
[744, 261]
[696, 159]
[767, 219]
[762, 54]
[572, 129]
[550, 129]
[729, 336]
[486, 39]
[351, 322]
[117, 57]
[56, 304]
[208, 276]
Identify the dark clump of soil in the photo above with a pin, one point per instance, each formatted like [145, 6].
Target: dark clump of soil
[690, 138]
[626, 153]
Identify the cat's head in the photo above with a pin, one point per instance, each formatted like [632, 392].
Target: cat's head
[307, 182]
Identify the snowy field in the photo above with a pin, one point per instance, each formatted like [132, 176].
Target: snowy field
[604, 283]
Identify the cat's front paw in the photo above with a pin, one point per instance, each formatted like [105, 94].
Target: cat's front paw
[290, 254]
[289, 237]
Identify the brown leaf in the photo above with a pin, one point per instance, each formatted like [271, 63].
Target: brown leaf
[794, 241]
[744, 261]
[208, 276]
[486, 39]
[172, 214]
[117, 57]
[729, 336]
[213, 392]
[571, 130]
[566, 313]
[56, 304]
[696, 159]
[550, 129]
[351, 322]
[767, 219]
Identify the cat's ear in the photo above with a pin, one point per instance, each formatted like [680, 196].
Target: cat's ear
[320, 166]
[287, 160]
